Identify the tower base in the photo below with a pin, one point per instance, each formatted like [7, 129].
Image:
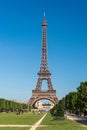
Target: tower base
[38, 95]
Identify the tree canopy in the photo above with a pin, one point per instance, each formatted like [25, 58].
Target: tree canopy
[76, 100]
[8, 105]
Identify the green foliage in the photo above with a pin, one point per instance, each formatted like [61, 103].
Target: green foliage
[82, 96]
[7, 105]
[71, 101]
[76, 100]
[62, 103]
[57, 111]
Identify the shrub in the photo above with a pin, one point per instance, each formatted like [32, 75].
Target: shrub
[57, 112]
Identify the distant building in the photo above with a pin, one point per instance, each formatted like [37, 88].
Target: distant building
[44, 106]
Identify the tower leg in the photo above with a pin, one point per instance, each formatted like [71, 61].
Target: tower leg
[38, 86]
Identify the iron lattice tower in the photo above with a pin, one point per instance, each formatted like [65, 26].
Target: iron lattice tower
[44, 74]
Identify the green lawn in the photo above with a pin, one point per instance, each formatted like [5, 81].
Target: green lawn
[14, 128]
[30, 119]
[60, 124]
[12, 118]
[22, 119]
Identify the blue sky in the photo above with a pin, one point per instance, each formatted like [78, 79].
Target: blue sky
[21, 39]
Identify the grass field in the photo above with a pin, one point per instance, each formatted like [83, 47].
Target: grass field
[60, 124]
[22, 119]
[30, 119]
[25, 119]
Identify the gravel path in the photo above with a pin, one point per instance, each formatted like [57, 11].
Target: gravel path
[37, 123]
[15, 125]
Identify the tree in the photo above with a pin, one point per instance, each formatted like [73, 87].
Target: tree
[2, 105]
[62, 102]
[57, 111]
[76, 101]
[6, 105]
[82, 96]
[71, 101]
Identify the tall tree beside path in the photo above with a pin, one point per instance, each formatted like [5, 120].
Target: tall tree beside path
[71, 101]
[82, 96]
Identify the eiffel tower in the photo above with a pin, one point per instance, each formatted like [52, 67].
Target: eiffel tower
[44, 74]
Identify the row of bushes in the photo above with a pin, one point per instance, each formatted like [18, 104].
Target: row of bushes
[8, 105]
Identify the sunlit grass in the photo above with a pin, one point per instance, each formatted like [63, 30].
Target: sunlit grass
[60, 124]
[26, 118]
[31, 119]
